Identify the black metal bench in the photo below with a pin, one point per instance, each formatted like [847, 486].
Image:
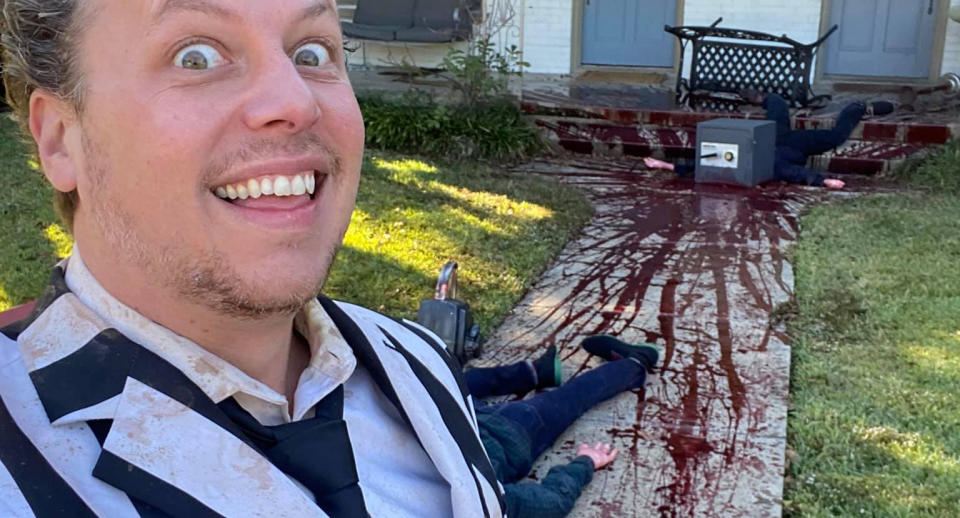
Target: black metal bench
[724, 61]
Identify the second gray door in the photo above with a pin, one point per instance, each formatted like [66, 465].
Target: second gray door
[892, 38]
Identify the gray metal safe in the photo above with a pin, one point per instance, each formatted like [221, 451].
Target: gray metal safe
[735, 151]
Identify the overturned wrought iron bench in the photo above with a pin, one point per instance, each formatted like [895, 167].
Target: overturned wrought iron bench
[724, 61]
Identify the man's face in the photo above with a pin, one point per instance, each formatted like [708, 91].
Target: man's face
[189, 103]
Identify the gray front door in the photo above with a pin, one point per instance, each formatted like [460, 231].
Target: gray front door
[892, 38]
[628, 32]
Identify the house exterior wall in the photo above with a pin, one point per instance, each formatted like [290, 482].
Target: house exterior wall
[951, 53]
[547, 34]
[544, 31]
[547, 42]
[799, 19]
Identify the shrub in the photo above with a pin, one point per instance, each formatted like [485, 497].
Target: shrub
[480, 75]
[416, 123]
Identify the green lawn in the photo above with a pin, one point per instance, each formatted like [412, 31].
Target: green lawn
[411, 217]
[27, 220]
[875, 415]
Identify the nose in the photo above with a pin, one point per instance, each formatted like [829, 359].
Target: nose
[279, 98]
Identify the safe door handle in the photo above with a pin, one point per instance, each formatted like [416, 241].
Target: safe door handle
[447, 282]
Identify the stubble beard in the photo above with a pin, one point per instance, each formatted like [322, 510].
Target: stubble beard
[204, 277]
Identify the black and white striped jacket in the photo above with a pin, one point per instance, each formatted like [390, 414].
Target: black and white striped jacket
[93, 424]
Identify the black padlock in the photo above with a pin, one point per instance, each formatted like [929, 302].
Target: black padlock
[450, 318]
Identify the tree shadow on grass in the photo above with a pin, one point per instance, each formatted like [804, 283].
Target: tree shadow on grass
[26, 254]
[876, 426]
[377, 282]
[895, 474]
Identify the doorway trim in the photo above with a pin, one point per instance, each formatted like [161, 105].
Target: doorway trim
[936, 58]
[577, 68]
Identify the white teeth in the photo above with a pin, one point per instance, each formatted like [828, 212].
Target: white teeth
[253, 187]
[297, 186]
[281, 186]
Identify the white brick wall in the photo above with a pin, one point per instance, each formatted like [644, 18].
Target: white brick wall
[798, 19]
[547, 31]
[951, 53]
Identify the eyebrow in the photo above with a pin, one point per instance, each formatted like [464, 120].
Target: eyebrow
[170, 7]
[316, 9]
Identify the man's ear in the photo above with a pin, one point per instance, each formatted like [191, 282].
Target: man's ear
[52, 120]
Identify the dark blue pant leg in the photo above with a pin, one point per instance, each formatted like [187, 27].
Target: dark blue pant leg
[548, 414]
[814, 142]
[684, 168]
[798, 174]
[779, 112]
[506, 380]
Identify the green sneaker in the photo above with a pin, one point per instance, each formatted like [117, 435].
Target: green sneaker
[549, 369]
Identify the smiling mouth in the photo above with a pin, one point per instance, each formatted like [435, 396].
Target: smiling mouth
[272, 188]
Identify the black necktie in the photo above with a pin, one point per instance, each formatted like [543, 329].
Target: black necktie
[316, 452]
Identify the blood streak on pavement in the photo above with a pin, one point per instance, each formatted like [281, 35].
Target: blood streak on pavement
[697, 269]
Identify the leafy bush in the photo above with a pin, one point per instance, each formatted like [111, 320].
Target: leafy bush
[416, 123]
[480, 74]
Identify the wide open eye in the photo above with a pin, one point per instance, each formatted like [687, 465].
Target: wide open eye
[198, 56]
[311, 55]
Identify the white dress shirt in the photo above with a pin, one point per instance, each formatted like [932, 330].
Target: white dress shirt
[396, 475]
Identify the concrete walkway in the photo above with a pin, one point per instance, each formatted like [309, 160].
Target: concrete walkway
[696, 269]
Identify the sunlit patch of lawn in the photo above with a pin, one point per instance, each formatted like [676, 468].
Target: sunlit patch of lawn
[58, 237]
[4, 299]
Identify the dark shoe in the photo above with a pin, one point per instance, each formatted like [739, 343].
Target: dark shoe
[880, 108]
[752, 95]
[549, 369]
[610, 349]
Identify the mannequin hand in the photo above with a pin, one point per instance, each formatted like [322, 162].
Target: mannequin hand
[653, 163]
[601, 454]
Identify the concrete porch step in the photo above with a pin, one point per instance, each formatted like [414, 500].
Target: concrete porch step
[904, 127]
[595, 136]
[868, 158]
[603, 138]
